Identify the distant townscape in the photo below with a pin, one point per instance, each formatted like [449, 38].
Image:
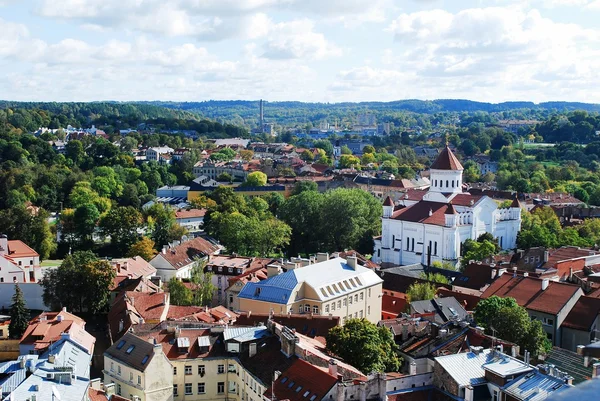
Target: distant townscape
[405, 251]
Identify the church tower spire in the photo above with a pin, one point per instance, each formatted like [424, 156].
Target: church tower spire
[446, 173]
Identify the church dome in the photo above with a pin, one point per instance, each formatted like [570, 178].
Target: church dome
[446, 161]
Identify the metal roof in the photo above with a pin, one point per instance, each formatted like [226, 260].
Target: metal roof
[244, 334]
[466, 368]
[535, 386]
[505, 365]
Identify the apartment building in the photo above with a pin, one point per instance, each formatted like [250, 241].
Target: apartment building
[337, 287]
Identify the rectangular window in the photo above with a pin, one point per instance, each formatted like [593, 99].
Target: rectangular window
[315, 309]
[130, 376]
[201, 388]
[355, 315]
[112, 366]
[201, 370]
[344, 301]
[119, 370]
[188, 389]
[407, 243]
[340, 304]
[362, 296]
[188, 369]
[369, 292]
[435, 248]
[350, 299]
[430, 250]
[221, 369]
[175, 390]
[231, 368]
[307, 308]
[412, 246]
[326, 308]
[139, 379]
[356, 298]
[526, 259]
[333, 306]
[368, 310]
[220, 387]
[361, 314]
[118, 389]
[231, 386]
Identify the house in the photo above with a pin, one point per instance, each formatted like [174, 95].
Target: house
[485, 164]
[18, 262]
[490, 374]
[236, 284]
[191, 219]
[133, 267]
[547, 301]
[4, 324]
[62, 372]
[340, 287]
[139, 368]
[303, 381]
[439, 310]
[433, 227]
[580, 327]
[179, 257]
[224, 267]
[48, 327]
[211, 169]
[154, 153]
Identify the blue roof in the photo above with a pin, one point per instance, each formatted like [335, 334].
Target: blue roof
[276, 289]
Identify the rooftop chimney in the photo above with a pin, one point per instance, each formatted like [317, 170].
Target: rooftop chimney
[596, 370]
[272, 270]
[322, 257]
[351, 261]
[333, 369]
[545, 283]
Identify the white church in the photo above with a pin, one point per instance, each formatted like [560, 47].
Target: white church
[429, 226]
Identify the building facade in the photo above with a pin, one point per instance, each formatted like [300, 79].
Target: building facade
[434, 227]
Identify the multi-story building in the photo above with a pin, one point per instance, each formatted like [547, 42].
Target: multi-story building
[238, 170]
[18, 262]
[153, 154]
[139, 369]
[336, 287]
[434, 227]
[179, 257]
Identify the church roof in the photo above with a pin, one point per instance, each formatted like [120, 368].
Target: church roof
[425, 212]
[450, 209]
[515, 203]
[446, 161]
[388, 201]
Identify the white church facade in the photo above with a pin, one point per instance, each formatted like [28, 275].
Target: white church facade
[429, 226]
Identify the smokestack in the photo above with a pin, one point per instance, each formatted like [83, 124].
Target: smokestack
[351, 261]
[333, 369]
[545, 283]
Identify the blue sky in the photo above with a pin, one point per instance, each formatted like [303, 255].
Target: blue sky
[308, 50]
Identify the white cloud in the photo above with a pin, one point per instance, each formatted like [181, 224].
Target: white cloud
[297, 40]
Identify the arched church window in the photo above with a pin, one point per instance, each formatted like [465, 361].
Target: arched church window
[447, 186]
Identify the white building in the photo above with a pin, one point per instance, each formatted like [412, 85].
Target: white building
[154, 153]
[18, 262]
[434, 227]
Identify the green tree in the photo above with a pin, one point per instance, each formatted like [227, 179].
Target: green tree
[435, 278]
[86, 217]
[121, 224]
[203, 287]
[302, 186]
[345, 150]
[33, 229]
[475, 250]
[179, 294]
[420, 292]
[348, 161]
[325, 145]
[143, 248]
[368, 149]
[505, 319]
[225, 177]
[81, 283]
[256, 179]
[160, 219]
[365, 346]
[19, 315]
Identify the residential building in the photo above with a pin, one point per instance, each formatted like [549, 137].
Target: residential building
[485, 164]
[439, 310]
[154, 153]
[61, 373]
[548, 301]
[191, 219]
[224, 267]
[232, 142]
[434, 227]
[18, 262]
[581, 325]
[237, 169]
[179, 257]
[139, 368]
[133, 267]
[337, 287]
[48, 328]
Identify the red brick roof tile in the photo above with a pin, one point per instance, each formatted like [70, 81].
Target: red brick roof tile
[584, 314]
[425, 212]
[184, 254]
[446, 161]
[305, 376]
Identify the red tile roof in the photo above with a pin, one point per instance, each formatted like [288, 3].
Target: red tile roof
[302, 377]
[567, 253]
[310, 326]
[48, 326]
[393, 305]
[425, 212]
[134, 267]
[446, 161]
[190, 213]
[465, 199]
[388, 201]
[184, 254]
[97, 395]
[584, 314]
[19, 249]
[527, 291]
[149, 306]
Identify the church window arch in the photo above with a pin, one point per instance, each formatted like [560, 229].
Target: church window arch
[447, 186]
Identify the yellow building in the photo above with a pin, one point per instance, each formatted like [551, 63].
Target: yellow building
[336, 287]
[138, 369]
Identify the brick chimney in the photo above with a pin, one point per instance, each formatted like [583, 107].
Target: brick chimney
[351, 261]
[333, 368]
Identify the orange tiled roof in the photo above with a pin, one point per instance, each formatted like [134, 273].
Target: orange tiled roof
[183, 254]
[190, 213]
[425, 212]
[19, 249]
[305, 377]
[446, 161]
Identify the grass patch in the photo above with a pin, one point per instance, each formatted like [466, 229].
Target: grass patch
[51, 263]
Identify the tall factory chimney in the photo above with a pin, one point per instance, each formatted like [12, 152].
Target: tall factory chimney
[262, 115]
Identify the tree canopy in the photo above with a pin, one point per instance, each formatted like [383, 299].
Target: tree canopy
[365, 346]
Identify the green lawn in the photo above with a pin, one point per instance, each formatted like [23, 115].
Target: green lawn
[51, 263]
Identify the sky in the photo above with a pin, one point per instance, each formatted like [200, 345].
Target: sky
[305, 50]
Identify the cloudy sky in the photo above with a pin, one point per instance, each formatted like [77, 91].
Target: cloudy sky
[308, 50]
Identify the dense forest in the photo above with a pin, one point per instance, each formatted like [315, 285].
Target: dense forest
[402, 113]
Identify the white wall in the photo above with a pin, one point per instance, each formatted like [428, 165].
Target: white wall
[32, 292]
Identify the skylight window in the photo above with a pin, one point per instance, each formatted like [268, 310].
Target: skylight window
[298, 389]
[291, 384]
[312, 397]
[145, 359]
[130, 349]
[306, 393]
[284, 380]
[120, 344]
